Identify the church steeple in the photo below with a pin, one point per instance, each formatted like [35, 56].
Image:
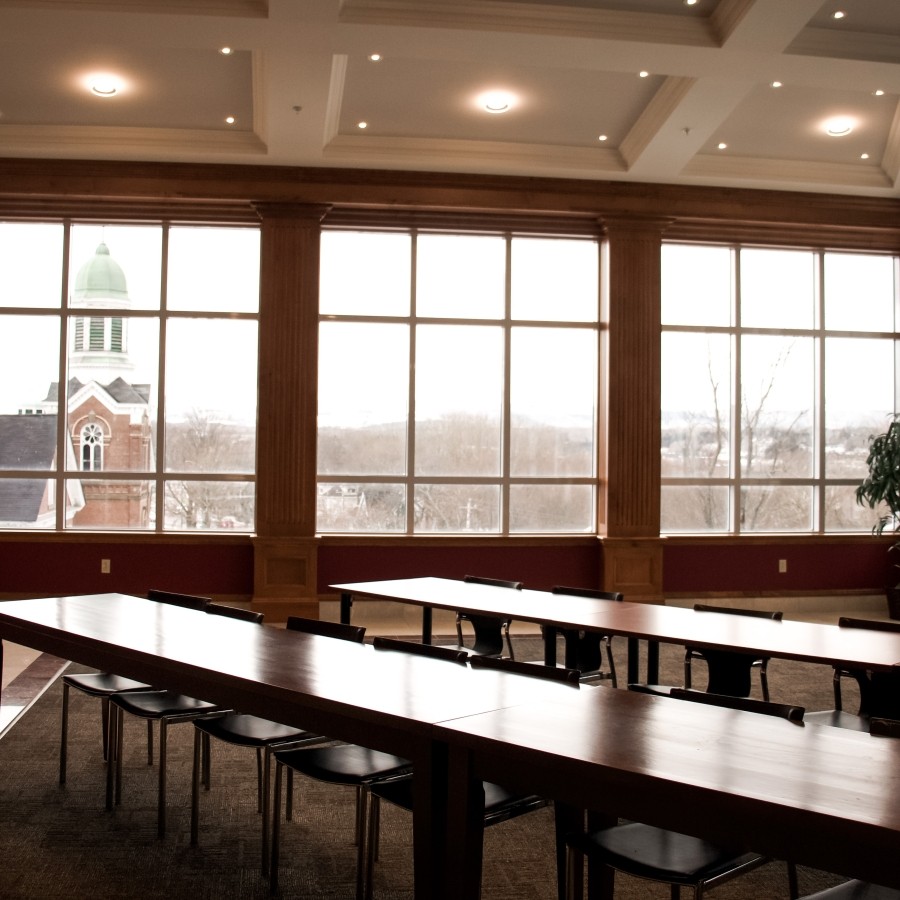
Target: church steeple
[99, 343]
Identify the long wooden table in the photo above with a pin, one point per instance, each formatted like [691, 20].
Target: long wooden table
[821, 796]
[388, 701]
[803, 641]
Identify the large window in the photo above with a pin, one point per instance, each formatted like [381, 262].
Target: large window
[777, 366]
[457, 383]
[128, 377]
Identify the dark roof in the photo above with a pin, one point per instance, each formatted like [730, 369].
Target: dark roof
[120, 390]
[26, 442]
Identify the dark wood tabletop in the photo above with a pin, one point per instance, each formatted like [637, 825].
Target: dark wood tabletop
[386, 700]
[826, 797]
[804, 641]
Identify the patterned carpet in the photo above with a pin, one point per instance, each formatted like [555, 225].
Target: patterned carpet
[59, 842]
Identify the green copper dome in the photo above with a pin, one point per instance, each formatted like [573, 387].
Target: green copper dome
[101, 278]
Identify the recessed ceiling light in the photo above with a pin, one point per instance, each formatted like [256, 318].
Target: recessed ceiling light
[863, 155]
[838, 126]
[602, 137]
[229, 120]
[878, 93]
[497, 101]
[838, 15]
[375, 57]
[226, 51]
[104, 85]
[776, 84]
[722, 145]
[643, 74]
[690, 2]
[363, 125]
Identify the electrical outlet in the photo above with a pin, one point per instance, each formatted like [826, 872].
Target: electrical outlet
[104, 567]
[782, 566]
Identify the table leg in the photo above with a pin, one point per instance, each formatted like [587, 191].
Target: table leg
[426, 624]
[430, 828]
[652, 662]
[634, 660]
[465, 829]
[550, 645]
[568, 819]
[346, 604]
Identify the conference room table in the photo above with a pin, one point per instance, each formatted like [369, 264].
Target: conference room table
[385, 700]
[821, 796]
[803, 641]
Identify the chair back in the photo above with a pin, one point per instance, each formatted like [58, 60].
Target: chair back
[235, 612]
[516, 667]
[849, 622]
[882, 727]
[747, 704]
[188, 601]
[587, 592]
[495, 582]
[338, 630]
[446, 653]
[775, 616]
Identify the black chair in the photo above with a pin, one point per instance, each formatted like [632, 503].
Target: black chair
[670, 857]
[584, 649]
[163, 706]
[879, 692]
[490, 632]
[264, 736]
[728, 670]
[102, 685]
[500, 804]
[348, 764]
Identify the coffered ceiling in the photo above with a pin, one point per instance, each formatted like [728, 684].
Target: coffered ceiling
[300, 80]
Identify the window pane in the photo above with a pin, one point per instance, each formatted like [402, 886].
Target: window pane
[363, 398]
[696, 405]
[776, 508]
[210, 505]
[555, 280]
[29, 367]
[31, 502]
[115, 266]
[460, 276]
[778, 288]
[213, 269]
[859, 292]
[552, 402]
[695, 509]
[211, 395]
[375, 508]
[30, 264]
[113, 505]
[364, 273]
[111, 395]
[455, 508]
[843, 513]
[777, 403]
[697, 285]
[459, 394]
[561, 508]
[859, 401]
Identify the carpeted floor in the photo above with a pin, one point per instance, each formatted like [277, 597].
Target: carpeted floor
[59, 842]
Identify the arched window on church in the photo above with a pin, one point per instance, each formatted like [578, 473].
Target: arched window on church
[91, 448]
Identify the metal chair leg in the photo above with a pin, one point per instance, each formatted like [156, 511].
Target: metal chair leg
[64, 737]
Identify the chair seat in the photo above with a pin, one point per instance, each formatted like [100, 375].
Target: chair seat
[160, 704]
[250, 731]
[344, 764]
[660, 855]
[838, 718]
[102, 684]
[856, 890]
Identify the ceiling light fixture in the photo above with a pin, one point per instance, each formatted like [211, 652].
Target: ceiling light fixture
[363, 125]
[496, 101]
[690, 2]
[878, 93]
[375, 57]
[644, 73]
[776, 84]
[863, 155]
[103, 85]
[839, 14]
[229, 120]
[226, 51]
[603, 137]
[838, 126]
[722, 145]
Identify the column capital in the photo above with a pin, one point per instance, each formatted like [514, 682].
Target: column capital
[305, 212]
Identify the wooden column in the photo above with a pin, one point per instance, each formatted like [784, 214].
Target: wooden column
[285, 545]
[630, 502]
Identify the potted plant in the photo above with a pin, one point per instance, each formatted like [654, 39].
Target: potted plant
[882, 485]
